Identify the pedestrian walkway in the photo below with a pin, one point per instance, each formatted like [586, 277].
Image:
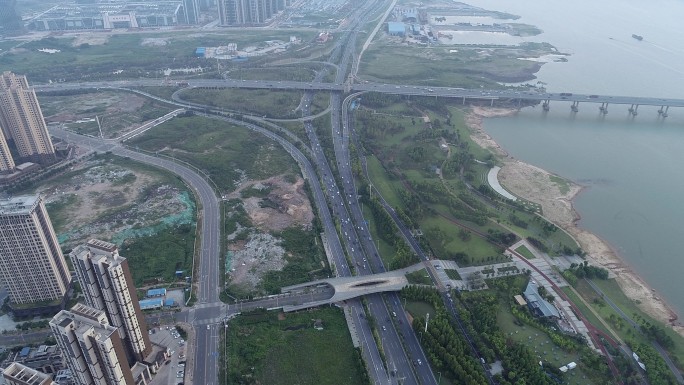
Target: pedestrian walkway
[352, 327]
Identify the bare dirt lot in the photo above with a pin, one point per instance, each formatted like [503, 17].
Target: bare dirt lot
[104, 199]
[279, 205]
[117, 112]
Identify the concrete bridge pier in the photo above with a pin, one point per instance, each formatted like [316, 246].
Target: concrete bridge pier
[604, 108]
[633, 109]
[663, 111]
[464, 100]
[575, 106]
[545, 105]
[491, 104]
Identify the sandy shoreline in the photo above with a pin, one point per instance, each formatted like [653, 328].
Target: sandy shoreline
[535, 184]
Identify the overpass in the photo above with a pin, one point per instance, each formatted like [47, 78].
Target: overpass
[345, 288]
[508, 95]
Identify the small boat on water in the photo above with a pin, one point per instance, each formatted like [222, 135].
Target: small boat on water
[638, 37]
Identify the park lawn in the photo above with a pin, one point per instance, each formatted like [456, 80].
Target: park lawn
[398, 109]
[539, 343]
[262, 102]
[289, 351]
[612, 290]
[419, 309]
[226, 152]
[458, 114]
[525, 252]
[386, 250]
[478, 249]
[380, 180]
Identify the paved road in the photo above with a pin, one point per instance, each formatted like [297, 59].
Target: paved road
[401, 89]
[207, 280]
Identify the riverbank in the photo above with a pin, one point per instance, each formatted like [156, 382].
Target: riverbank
[555, 195]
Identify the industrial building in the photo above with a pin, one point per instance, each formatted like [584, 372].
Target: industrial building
[118, 14]
[108, 286]
[22, 124]
[32, 266]
[396, 29]
[249, 12]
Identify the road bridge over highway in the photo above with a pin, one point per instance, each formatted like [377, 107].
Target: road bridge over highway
[492, 96]
[345, 288]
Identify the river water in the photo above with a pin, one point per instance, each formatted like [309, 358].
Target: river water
[633, 167]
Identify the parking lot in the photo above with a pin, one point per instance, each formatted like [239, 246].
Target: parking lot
[173, 371]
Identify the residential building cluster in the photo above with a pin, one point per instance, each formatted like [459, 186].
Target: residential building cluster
[249, 12]
[120, 14]
[104, 341]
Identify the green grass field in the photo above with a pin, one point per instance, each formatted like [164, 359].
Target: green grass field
[525, 252]
[381, 182]
[268, 103]
[289, 351]
[136, 55]
[419, 308]
[225, 152]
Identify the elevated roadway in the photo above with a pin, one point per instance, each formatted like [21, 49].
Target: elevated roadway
[401, 89]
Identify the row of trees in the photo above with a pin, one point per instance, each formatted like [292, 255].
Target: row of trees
[445, 347]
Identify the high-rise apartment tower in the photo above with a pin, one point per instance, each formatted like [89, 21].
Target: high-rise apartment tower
[22, 120]
[91, 347]
[32, 267]
[107, 285]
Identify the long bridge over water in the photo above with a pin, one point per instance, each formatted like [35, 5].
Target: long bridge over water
[509, 95]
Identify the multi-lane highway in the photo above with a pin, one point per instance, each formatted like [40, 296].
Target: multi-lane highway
[402, 89]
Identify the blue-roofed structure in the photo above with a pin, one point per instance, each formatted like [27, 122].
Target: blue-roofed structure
[152, 303]
[200, 51]
[156, 293]
[24, 351]
[396, 29]
[538, 305]
[169, 302]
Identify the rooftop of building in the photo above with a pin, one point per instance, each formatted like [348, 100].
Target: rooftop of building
[394, 26]
[98, 250]
[18, 205]
[25, 374]
[537, 302]
[84, 319]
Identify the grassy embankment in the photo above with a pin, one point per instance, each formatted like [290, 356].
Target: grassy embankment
[405, 153]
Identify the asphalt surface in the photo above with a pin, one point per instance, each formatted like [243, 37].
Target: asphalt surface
[401, 89]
